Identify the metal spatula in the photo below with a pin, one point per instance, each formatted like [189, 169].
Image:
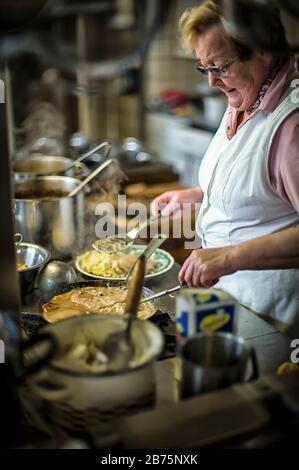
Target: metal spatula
[88, 154]
[148, 251]
[164, 292]
[118, 347]
[90, 177]
[110, 245]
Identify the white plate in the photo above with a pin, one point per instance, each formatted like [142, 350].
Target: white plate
[162, 259]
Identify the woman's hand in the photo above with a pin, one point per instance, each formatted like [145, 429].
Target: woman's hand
[280, 250]
[204, 267]
[172, 203]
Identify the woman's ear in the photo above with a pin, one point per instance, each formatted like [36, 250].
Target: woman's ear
[265, 58]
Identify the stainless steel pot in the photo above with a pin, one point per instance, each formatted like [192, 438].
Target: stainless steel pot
[214, 360]
[44, 166]
[47, 216]
[34, 257]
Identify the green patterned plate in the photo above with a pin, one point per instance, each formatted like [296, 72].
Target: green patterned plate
[163, 263]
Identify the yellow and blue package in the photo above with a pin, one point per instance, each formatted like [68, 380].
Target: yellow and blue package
[205, 310]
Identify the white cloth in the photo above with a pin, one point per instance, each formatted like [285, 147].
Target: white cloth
[240, 204]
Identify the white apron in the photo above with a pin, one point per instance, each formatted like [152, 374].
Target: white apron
[240, 204]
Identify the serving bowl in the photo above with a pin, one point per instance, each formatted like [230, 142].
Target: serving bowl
[163, 260]
[34, 257]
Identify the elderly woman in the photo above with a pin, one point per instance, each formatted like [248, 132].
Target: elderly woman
[249, 176]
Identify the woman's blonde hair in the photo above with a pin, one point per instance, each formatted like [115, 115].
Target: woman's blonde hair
[195, 21]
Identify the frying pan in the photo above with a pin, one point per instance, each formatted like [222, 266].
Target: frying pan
[99, 283]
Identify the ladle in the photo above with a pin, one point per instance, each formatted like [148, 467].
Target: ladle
[149, 250]
[164, 292]
[88, 154]
[118, 346]
[110, 245]
[90, 177]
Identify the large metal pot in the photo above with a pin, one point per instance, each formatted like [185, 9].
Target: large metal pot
[44, 166]
[47, 216]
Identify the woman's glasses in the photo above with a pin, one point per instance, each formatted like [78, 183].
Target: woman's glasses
[217, 71]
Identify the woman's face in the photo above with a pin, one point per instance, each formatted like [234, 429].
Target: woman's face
[243, 80]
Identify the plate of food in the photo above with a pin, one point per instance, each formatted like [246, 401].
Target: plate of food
[94, 297]
[116, 266]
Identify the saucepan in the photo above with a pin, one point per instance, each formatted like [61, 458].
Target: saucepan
[47, 216]
[78, 394]
[46, 297]
[50, 211]
[46, 165]
[214, 360]
[43, 165]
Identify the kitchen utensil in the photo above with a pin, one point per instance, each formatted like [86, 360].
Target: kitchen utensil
[88, 154]
[50, 211]
[163, 262]
[32, 361]
[112, 245]
[90, 177]
[53, 277]
[34, 257]
[46, 216]
[18, 239]
[118, 346]
[210, 361]
[80, 399]
[98, 283]
[164, 292]
[46, 165]
[149, 250]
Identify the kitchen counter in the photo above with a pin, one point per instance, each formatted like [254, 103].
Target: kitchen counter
[240, 416]
[272, 347]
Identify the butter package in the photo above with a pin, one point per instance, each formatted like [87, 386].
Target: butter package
[205, 310]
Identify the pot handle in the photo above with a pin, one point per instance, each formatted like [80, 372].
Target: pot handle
[255, 369]
[50, 390]
[39, 338]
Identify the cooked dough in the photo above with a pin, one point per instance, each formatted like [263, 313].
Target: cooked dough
[114, 265]
[104, 300]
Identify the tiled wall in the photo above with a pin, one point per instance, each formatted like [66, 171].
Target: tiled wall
[165, 67]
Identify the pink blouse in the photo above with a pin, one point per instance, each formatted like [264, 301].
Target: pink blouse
[284, 152]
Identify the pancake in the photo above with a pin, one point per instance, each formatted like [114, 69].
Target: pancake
[86, 300]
